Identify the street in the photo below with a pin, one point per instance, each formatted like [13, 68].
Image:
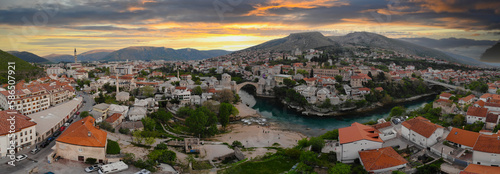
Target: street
[24, 166]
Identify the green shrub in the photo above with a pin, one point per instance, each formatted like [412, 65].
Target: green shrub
[113, 147]
[90, 161]
[124, 131]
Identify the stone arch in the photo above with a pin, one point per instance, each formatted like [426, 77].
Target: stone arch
[257, 87]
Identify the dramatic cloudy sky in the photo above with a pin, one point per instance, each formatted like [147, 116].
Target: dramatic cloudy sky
[57, 26]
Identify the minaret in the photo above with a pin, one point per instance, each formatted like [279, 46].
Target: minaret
[75, 56]
[178, 77]
[117, 84]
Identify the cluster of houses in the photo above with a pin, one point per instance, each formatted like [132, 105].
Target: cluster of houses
[368, 144]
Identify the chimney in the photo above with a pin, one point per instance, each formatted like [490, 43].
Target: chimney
[89, 133]
[83, 122]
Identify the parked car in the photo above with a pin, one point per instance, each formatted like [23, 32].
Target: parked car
[57, 133]
[21, 157]
[44, 144]
[93, 168]
[50, 139]
[49, 173]
[34, 151]
[67, 124]
[77, 113]
[143, 171]
[62, 128]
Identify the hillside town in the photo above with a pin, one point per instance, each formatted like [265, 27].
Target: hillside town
[187, 116]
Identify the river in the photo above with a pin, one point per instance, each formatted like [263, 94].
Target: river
[276, 112]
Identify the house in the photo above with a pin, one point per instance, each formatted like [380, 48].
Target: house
[386, 130]
[137, 113]
[358, 80]
[445, 95]
[462, 138]
[476, 114]
[491, 121]
[447, 106]
[364, 91]
[480, 169]
[122, 96]
[115, 119]
[82, 140]
[24, 129]
[132, 125]
[102, 109]
[113, 108]
[492, 107]
[467, 100]
[355, 138]
[421, 131]
[486, 151]
[381, 160]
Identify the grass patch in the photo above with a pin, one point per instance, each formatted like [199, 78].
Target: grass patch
[273, 165]
[201, 165]
[140, 145]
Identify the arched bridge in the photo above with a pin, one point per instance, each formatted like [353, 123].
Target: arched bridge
[257, 87]
[433, 82]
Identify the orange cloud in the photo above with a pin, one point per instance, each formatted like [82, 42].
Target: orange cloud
[263, 9]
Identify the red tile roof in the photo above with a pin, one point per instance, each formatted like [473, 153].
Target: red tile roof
[468, 98]
[477, 111]
[382, 158]
[492, 118]
[443, 100]
[78, 134]
[421, 126]
[463, 137]
[445, 94]
[488, 143]
[480, 103]
[21, 121]
[113, 118]
[480, 169]
[357, 132]
[382, 125]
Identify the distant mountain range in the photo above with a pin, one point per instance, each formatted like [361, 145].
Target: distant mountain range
[162, 53]
[311, 40]
[139, 53]
[92, 55]
[28, 57]
[492, 54]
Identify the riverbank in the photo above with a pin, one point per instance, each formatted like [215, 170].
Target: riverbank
[373, 107]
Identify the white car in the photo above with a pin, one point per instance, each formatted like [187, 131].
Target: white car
[92, 168]
[143, 171]
[21, 157]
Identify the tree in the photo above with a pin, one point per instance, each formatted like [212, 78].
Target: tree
[149, 124]
[340, 168]
[113, 147]
[397, 111]
[338, 78]
[197, 90]
[309, 157]
[84, 114]
[458, 120]
[237, 143]
[147, 91]
[149, 141]
[224, 113]
[137, 137]
[289, 83]
[226, 96]
[202, 122]
[331, 135]
[316, 143]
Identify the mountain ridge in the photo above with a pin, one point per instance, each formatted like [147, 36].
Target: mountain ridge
[28, 57]
[162, 53]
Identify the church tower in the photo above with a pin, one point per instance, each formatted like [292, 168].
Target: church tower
[75, 56]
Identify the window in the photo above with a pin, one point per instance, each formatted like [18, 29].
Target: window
[81, 158]
[80, 150]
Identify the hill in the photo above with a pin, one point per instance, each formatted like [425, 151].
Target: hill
[492, 54]
[378, 41]
[301, 41]
[91, 55]
[162, 53]
[28, 57]
[23, 69]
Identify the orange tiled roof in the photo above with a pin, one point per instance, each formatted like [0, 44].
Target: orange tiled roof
[477, 111]
[364, 89]
[480, 103]
[21, 122]
[382, 125]
[78, 134]
[422, 126]
[463, 137]
[357, 132]
[468, 98]
[443, 100]
[382, 158]
[488, 143]
[113, 118]
[480, 169]
[445, 94]
[492, 118]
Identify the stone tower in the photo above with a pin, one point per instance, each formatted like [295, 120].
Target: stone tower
[75, 56]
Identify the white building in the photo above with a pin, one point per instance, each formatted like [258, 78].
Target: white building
[137, 113]
[476, 114]
[55, 70]
[113, 108]
[421, 131]
[357, 137]
[486, 151]
[24, 135]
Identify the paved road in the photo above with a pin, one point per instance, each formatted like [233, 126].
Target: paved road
[32, 161]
